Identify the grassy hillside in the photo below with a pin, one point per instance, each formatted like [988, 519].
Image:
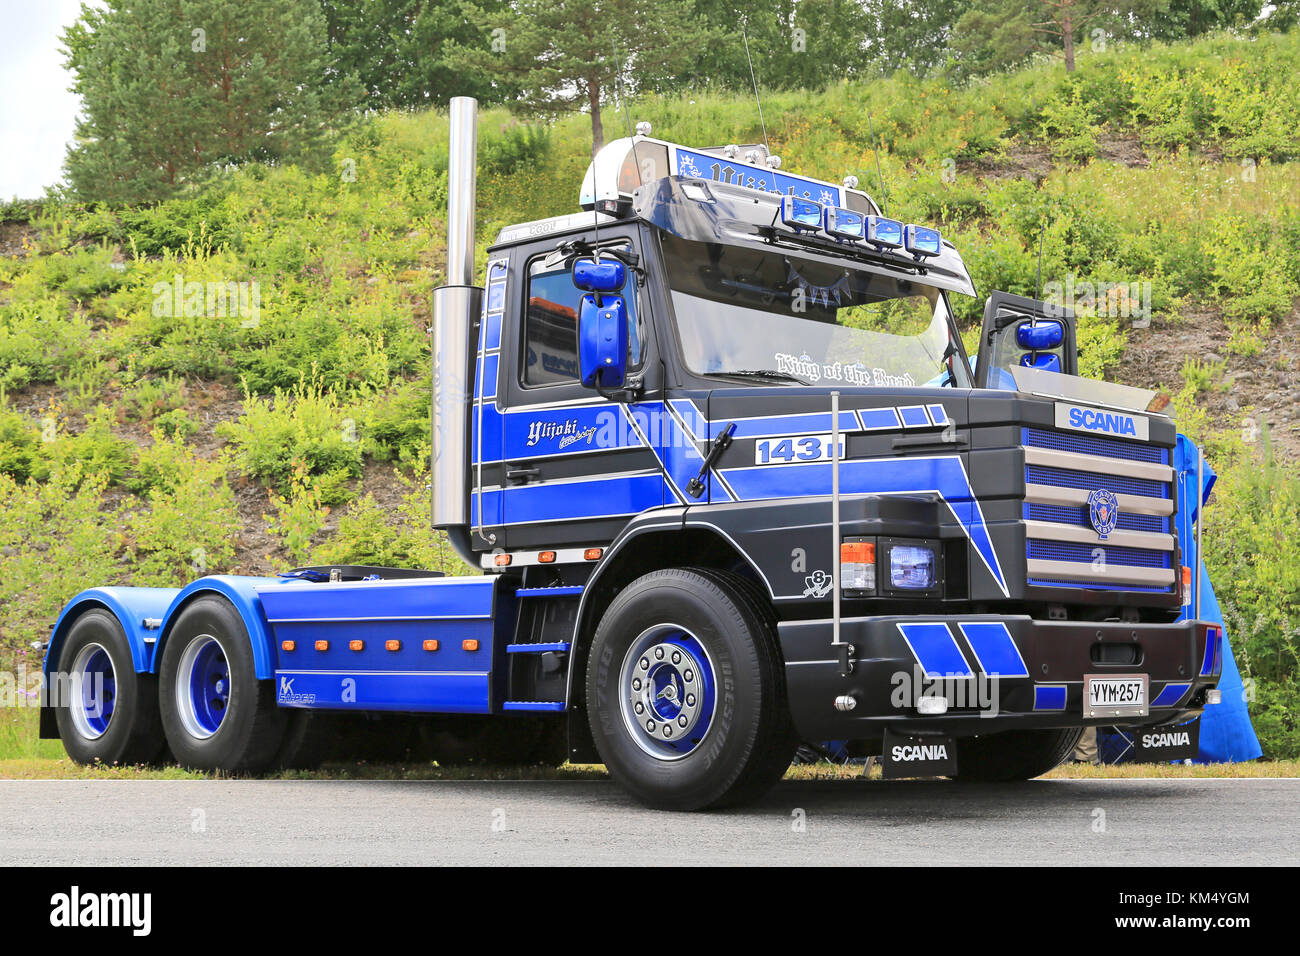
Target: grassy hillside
[146, 437]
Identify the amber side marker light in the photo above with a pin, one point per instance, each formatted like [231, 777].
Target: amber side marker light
[593, 554]
[545, 557]
[501, 560]
[392, 645]
[356, 645]
[322, 645]
[430, 645]
[288, 645]
[470, 644]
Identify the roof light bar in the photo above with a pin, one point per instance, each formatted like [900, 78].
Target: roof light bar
[845, 223]
[800, 213]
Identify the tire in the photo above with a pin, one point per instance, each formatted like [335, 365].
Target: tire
[689, 630]
[109, 713]
[217, 715]
[1013, 754]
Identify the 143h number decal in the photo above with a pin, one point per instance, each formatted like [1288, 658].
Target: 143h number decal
[770, 451]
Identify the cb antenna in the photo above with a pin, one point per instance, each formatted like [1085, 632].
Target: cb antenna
[754, 79]
[1038, 280]
[884, 190]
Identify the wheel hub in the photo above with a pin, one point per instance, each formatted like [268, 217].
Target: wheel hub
[667, 684]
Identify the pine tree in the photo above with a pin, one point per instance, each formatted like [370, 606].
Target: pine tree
[568, 55]
[174, 89]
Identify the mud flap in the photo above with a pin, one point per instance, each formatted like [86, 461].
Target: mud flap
[919, 755]
[1161, 744]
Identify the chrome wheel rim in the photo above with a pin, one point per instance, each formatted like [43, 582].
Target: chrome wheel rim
[667, 692]
[203, 687]
[94, 691]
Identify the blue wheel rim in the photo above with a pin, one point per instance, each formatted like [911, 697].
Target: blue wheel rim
[94, 691]
[203, 687]
[668, 692]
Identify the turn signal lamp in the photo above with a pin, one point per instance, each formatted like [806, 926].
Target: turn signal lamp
[1187, 585]
[858, 565]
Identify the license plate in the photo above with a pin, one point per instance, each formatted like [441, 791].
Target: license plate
[1115, 696]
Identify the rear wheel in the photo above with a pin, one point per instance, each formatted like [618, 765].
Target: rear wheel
[1013, 754]
[106, 712]
[216, 713]
[686, 692]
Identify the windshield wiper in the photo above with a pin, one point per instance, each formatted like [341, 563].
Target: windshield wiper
[768, 373]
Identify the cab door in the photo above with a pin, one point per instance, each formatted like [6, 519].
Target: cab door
[575, 466]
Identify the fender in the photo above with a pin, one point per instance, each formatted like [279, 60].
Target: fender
[133, 606]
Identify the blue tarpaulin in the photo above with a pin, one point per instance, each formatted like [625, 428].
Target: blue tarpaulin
[1226, 731]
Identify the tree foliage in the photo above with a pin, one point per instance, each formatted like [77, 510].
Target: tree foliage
[172, 90]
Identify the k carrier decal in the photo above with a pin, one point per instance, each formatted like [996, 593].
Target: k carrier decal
[1100, 421]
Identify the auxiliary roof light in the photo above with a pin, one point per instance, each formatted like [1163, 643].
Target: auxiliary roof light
[921, 240]
[884, 232]
[802, 214]
[845, 223]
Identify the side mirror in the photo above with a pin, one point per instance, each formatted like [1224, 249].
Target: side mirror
[602, 323]
[1024, 332]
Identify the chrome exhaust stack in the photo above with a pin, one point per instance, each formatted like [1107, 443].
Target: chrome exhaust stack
[456, 315]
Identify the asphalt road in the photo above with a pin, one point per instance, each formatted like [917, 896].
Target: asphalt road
[1075, 822]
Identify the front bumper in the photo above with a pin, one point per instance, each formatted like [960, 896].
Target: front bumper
[999, 672]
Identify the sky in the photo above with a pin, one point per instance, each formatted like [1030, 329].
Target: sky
[37, 113]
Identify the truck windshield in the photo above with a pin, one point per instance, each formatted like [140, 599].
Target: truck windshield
[768, 314]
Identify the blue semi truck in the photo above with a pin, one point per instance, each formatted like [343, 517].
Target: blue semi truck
[731, 482]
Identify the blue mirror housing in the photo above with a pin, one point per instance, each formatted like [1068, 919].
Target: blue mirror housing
[607, 275]
[1047, 361]
[602, 340]
[1041, 335]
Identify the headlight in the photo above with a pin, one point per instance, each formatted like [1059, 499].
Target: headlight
[911, 568]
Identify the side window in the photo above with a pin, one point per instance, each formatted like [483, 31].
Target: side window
[551, 325]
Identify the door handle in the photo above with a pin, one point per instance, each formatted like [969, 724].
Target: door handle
[523, 474]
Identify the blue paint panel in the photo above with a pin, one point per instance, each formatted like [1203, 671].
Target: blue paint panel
[423, 599]
[877, 418]
[496, 269]
[496, 297]
[1049, 697]
[538, 648]
[1171, 695]
[935, 649]
[937, 414]
[557, 591]
[1211, 651]
[995, 651]
[487, 380]
[445, 693]
[533, 433]
[534, 705]
[492, 332]
[914, 416]
[573, 500]
[493, 429]
[813, 423]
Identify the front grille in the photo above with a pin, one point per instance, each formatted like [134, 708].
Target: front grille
[1062, 548]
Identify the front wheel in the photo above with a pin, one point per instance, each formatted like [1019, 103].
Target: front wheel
[686, 692]
[1013, 754]
[216, 713]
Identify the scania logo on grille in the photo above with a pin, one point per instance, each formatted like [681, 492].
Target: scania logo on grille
[1103, 512]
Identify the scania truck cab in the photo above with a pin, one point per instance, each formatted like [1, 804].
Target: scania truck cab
[730, 481]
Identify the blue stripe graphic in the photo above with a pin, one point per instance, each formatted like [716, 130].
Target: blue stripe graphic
[995, 652]
[1049, 697]
[935, 649]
